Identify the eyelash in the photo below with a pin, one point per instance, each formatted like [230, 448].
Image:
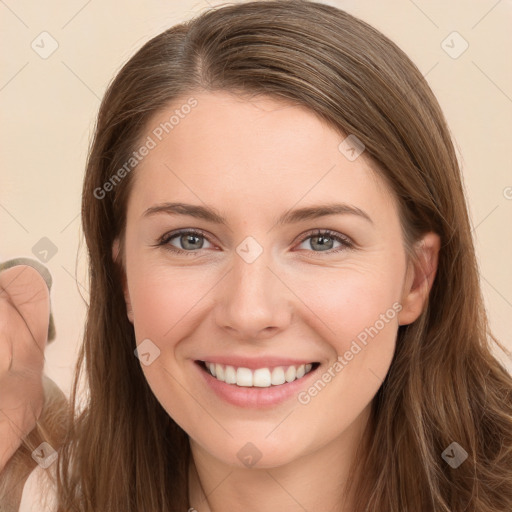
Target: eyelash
[165, 239]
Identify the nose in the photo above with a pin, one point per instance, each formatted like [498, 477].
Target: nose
[253, 301]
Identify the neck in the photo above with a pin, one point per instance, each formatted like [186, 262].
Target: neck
[315, 481]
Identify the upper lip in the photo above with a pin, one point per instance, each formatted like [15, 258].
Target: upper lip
[254, 363]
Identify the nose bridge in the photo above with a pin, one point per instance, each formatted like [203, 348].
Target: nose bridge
[253, 300]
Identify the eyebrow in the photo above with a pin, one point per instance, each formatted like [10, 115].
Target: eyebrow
[289, 217]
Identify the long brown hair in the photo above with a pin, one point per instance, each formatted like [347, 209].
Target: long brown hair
[123, 451]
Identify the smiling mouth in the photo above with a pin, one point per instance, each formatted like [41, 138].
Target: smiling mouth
[258, 378]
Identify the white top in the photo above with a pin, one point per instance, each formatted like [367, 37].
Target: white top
[39, 494]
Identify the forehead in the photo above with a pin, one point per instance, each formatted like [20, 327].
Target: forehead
[251, 151]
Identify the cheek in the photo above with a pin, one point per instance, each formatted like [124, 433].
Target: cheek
[161, 298]
[345, 303]
[367, 324]
[165, 304]
[359, 323]
[356, 314]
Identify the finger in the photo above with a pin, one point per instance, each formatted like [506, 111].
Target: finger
[26, 290]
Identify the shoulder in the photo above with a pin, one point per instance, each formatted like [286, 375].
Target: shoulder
[39, 494]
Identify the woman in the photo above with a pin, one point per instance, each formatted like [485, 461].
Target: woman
[325, 346]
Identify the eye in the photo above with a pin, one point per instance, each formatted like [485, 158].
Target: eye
[323, 241]
[190, 241]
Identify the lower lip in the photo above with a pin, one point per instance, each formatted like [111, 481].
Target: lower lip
[254, 397]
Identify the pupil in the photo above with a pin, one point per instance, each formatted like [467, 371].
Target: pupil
[322, 241]
[191, 239]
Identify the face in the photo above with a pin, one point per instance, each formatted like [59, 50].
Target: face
[266, 288]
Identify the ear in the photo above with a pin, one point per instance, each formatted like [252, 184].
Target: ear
[116, 247]
[420, 278]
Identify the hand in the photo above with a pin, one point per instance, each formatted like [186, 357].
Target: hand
[24, 319]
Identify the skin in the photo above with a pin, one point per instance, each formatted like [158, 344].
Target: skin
[252, 161]
[24, 318]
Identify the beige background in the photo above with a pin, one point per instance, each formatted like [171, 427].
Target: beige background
[49, 105]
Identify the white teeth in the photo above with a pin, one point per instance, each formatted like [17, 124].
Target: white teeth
[219, 371]
[290, 374]
[243, 377]
[277, 376]
[261, 378]
[230, 375]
